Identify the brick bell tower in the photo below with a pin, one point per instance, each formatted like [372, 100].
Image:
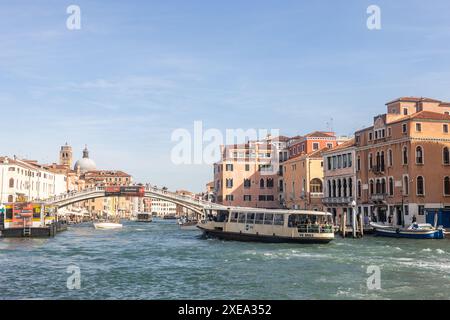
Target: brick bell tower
[65, 156]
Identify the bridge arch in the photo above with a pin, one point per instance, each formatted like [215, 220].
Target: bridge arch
[70, 198]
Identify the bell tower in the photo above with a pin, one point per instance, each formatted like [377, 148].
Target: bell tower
[65, 156]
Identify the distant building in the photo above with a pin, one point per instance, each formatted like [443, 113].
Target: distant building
[162, 208]
[120, 205]
[85, 164]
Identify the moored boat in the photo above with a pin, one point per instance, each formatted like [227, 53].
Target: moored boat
[264, 225]
[144, 217]
[414, 231]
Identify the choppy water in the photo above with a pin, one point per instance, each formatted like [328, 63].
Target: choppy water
[159, 261]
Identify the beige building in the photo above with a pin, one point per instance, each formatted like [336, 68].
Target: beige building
[250, 175]
[403, 163]
[122, 206]
[340, 180]
[303, 171]
[304, 181]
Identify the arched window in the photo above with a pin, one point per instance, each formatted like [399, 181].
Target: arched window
[377, 186]
[350, 187]
[334, 188]
[390, 158]
[339, 188]
[345, 188]
[11, 183]
[10, 198]
[405, 155]
[371, 186]
[315, 185]
[405, 185]
[370, 161]
[447, 186]
[419, 155]
[445, 156]
[420, 186]
[383, 186]
[269, 183]
[329, 188]
[391, 186]
[359, 189]
[261, 183]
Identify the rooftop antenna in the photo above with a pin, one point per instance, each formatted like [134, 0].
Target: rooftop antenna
[329, 125]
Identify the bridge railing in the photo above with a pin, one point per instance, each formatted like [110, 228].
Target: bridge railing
[174, 195]
[73, 194]
[182, 198]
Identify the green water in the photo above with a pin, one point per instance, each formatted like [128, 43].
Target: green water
[160, 261]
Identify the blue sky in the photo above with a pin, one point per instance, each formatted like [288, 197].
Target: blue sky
[137, 70]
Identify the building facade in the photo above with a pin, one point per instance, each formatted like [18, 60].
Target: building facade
[303, 171]
[25, 180]
[340, 180]
[249, 175]
[403, 163]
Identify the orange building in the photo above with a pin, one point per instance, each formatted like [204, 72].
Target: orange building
[403, 163]
[250, 175]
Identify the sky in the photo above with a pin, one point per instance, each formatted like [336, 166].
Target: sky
[138, 70]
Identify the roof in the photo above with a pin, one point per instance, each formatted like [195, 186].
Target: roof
[320, 134]
[413, 99]
[430, 116]
[347, 144]
[106, 173]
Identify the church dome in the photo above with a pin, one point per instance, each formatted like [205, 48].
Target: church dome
[85, 164]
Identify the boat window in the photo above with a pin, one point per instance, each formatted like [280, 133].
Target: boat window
[222, 216]
[241, 217]
[250, 218]
[259, 218]
[279, 219]
[268, 218]
[234, 217]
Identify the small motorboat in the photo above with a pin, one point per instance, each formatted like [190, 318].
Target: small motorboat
[414, 231]
[107, 225]
[186, 224]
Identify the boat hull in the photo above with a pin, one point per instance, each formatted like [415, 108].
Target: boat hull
[234, 236]
[107, 226]
[396, 233]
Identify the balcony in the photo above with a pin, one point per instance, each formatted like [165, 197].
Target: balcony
[337, 200]
[378, 197]
[378, 169]
[316, 195]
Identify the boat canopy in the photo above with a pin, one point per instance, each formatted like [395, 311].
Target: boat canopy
[280, 211]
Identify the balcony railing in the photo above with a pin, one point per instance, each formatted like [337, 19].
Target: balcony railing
[378, 197]
[316, 194]
[337, 200]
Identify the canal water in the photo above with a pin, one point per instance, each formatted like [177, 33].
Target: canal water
[159, 261]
